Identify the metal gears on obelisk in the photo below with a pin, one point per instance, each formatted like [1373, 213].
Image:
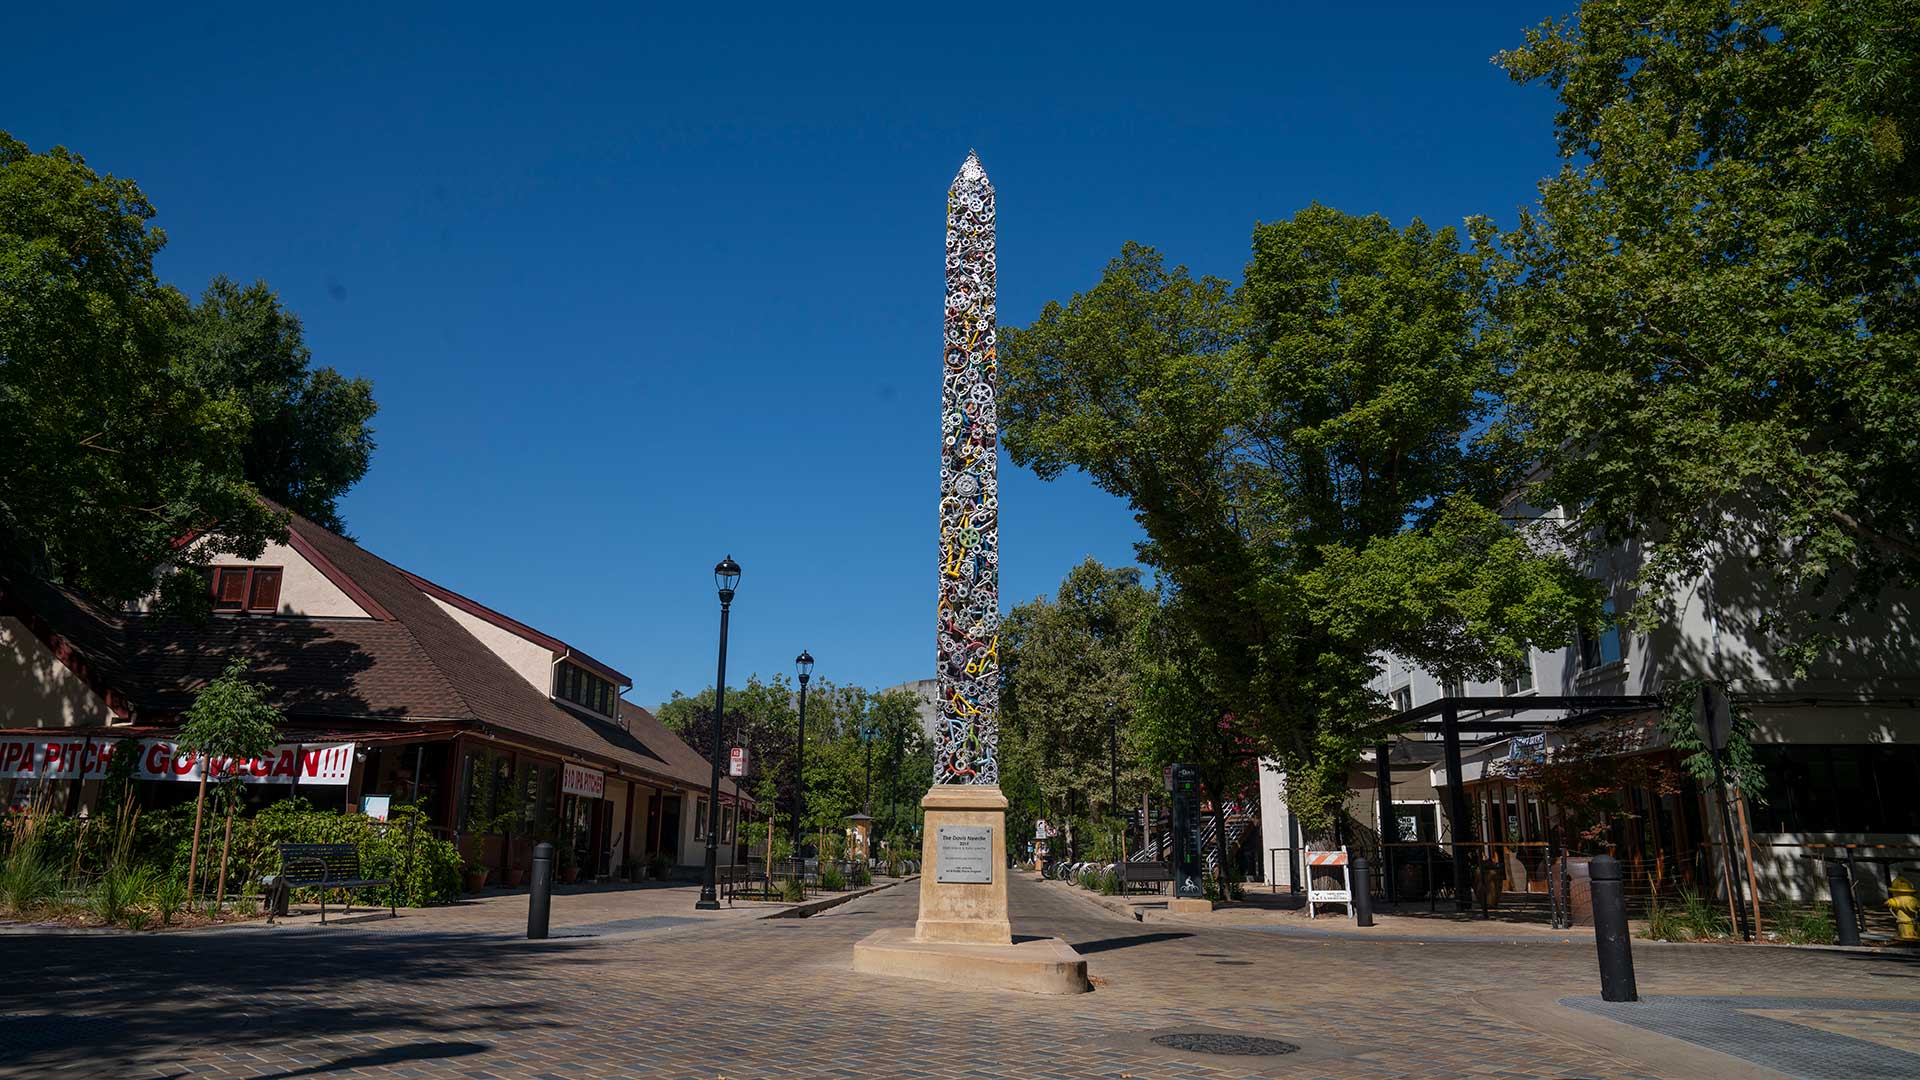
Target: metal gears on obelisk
[966, 742]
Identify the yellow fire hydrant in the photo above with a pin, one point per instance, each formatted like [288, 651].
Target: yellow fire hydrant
[1905, 905]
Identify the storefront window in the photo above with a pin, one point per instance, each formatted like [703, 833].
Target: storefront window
[700, 820]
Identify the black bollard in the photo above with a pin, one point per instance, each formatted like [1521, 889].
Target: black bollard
[1610, 931]
[540, 897]
[1840, 885]
[1362, 891]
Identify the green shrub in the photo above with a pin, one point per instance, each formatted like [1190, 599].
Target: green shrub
[792, 891]
[161, 839]
[119, 890]
[138, 919]
[28, 879]
[1695, 918]
[169, 895]
[860, 877]
[433, 879]
[1801, 925]
[831, 880]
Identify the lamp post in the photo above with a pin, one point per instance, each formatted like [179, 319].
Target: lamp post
[867, 732]
[804, 665]
[725, 576]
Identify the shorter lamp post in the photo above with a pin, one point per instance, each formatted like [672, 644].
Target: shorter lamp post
[726, 575]
[867, 733]
[804, 665]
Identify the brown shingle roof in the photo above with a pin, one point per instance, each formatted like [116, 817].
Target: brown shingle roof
[686, 763]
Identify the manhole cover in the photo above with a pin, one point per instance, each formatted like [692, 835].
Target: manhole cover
[1238, 1045]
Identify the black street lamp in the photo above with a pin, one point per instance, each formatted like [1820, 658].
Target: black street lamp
[804, 664]
[725, 575]
[893, 778]
[867, 732]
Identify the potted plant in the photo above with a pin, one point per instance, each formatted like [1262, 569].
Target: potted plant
[569, 865]
[514, 875]
[476, 877]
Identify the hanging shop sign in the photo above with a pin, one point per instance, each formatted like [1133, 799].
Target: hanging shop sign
[68, 758]
[580, 780]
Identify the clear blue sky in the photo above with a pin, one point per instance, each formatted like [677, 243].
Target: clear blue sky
[639, 290]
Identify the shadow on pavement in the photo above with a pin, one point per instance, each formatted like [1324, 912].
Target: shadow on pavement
[390, 1055]
[1109, 944]
[135, 999]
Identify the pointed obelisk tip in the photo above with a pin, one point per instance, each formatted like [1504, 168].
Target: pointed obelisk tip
[971, 170]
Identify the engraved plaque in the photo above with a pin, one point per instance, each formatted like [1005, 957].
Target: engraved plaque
[964, 854]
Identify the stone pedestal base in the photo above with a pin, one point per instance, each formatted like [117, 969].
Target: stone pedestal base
[963, 913]
[1190, 905]
[1035, 966]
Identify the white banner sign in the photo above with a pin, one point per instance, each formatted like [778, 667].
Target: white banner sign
[67, 757]
[580, 780]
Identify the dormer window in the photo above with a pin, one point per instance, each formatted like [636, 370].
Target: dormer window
[246, 588]
[584, 688]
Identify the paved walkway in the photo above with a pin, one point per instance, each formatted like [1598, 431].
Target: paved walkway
[738, 997]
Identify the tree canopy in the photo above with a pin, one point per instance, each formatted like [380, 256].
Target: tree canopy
[1716, 329]
[131, 418]
[1315, 459]
[230, 717]
[309, 439]
[763, 717]
[1068, 691]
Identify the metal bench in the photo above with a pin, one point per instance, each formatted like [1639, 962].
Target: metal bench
[323, 867]
[738, 879]
[1145, 873]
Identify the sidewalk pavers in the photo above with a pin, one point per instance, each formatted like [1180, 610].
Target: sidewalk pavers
[639, 985]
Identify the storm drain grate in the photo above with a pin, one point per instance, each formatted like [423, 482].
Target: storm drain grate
[1236, 1045]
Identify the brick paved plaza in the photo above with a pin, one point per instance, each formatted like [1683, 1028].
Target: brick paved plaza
[633, 984]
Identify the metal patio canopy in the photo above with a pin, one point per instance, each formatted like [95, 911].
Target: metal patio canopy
[1442, 717]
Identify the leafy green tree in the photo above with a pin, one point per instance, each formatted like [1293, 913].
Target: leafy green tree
[1180, 716]
[900, 750]
[1716, 329]
[309, 439]
[230, 720]
[763, 716]
[108, 453]
[1316, 462]
[1067, 693]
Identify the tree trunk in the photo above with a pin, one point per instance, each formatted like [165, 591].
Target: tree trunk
[199, 807]
[220, 894]
[1220, 833]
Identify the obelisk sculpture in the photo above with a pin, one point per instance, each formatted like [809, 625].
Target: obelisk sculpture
[963, 886]
[965, 749]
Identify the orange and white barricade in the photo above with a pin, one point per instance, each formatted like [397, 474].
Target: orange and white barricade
[1341, 895]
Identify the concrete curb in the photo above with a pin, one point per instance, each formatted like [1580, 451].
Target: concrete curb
[815, 907]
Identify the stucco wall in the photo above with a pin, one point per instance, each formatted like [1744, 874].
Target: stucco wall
[37, 690]
[304, 590]
[617, 794]
[530, 661]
